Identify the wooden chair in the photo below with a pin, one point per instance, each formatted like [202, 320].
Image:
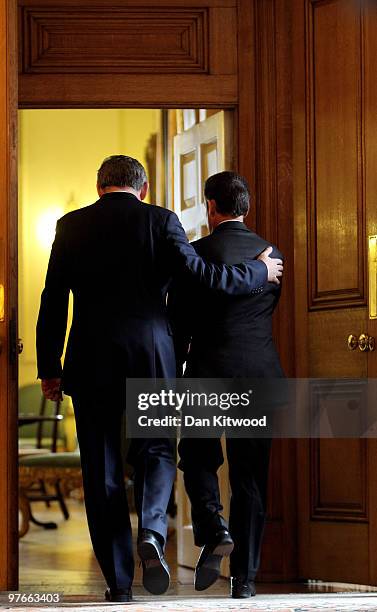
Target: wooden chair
[44, 431]
[62, 470]
[39, 421]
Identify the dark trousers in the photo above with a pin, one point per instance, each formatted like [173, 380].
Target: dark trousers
[98, 421]
[248, 461]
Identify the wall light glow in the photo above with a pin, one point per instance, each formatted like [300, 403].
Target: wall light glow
[45, 226]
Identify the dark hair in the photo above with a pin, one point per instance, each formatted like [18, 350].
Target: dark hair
[121, 171]
[230, 192]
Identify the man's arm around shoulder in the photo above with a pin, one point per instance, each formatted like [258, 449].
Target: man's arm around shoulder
[240, 279]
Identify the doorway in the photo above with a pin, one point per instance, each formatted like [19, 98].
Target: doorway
[59, 153]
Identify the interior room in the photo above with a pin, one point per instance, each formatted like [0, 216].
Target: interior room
[59, 154]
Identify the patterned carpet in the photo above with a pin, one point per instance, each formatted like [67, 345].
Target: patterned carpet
[347, 602]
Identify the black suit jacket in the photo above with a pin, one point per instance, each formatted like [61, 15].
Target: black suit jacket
[118, 257]
[222, 335]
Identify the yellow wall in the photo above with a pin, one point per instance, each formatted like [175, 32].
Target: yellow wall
[59, 154]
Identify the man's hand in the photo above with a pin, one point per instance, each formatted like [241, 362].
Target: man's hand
[51, 389]
[274, 266]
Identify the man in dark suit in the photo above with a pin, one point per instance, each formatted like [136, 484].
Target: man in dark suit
[118, 257]
[223, 336]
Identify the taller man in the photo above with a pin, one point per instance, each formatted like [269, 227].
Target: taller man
[118, 257]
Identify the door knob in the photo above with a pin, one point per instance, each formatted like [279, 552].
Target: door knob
[20, 346]
[364, 342]
[352, 342]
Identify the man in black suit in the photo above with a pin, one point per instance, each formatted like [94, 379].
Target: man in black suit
[118, 257]
[223, 336]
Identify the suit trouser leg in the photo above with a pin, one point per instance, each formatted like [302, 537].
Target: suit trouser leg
[155, 469]
[98, 422]
[248, 474]
[199, 460]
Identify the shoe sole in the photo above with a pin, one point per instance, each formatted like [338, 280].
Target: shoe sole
[119, 598]
[207, 574]
[156, 579]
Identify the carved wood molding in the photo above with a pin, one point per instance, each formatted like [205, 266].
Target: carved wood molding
[125, 54]
[87, 39]
[322, 509]
[351, 294]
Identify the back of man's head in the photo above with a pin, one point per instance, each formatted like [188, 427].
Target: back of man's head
[230, 192]
[121, 171]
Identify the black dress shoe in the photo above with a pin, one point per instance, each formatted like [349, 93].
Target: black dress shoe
[242, 589]
[121, 595]
[207, 568]
[156, 575]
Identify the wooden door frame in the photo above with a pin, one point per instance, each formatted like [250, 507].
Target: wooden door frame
[263, 124]
[8, 277]
[273, 165]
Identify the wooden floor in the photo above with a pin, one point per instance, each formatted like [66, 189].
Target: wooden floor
[62, 561]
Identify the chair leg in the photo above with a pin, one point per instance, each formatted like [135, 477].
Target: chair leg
[60, 499]
[44, 491]
[24, 507]
[48, 525]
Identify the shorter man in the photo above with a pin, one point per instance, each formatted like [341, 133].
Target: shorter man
[223, 336]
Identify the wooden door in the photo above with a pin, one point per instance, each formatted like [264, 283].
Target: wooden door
[8, 297]
[335, 140]
[200, 151]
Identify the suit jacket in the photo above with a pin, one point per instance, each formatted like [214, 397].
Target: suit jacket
[222, 335]
[118, 257]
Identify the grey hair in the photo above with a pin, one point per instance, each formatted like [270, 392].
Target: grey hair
[121, 171]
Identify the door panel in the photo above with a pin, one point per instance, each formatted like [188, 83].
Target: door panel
[336, 198]
[148, 53]
[8, 297]
[335, 155]
[328, 353]
[333, 200]
[187, 553]
[334, 497]
[200, 151]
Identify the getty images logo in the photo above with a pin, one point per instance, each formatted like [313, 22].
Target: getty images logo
[177, 401]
